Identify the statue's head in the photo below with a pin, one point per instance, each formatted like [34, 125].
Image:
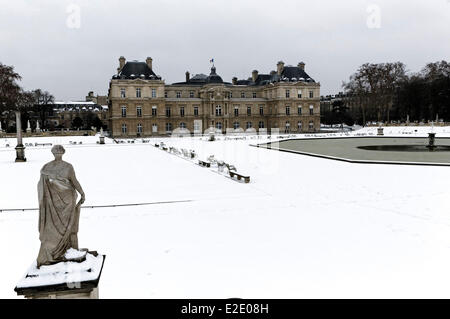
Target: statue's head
[58, 150]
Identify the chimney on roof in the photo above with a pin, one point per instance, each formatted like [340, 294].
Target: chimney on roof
[280, 67]
[301, 65]
[149, 62]
[188, 76]
[254, 75]
[121, 63]
[234, 80]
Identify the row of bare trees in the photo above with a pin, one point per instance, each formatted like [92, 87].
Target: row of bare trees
[14, 98]
[385, 92]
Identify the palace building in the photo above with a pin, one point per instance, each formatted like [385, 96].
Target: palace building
[141, 104]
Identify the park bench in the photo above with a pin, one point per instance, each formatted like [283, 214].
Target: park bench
[239, 176]
[204, 163]
[43, 144]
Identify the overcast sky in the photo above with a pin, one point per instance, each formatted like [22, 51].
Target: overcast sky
[53, 50]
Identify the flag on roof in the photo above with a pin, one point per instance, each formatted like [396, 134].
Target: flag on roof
[211, 61]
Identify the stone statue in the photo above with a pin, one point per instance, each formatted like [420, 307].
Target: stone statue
[59, 213]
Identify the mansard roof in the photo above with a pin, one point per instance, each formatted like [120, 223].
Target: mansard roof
[288, 74]
[294, 72]
[202, 79]
[136, 70]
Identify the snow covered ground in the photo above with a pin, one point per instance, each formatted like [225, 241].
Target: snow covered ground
[304, 227]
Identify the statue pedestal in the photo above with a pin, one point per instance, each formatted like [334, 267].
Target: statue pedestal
[20, 153]
[102, 140]
[64, 280]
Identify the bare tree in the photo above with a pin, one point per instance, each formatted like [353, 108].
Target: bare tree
[9, 89]
[373, 88]
[43, 102]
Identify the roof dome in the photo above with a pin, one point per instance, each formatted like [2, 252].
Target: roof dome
[213, 76]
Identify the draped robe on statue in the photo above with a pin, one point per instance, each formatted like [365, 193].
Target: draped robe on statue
[58, 212]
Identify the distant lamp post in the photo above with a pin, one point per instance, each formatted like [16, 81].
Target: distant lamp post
[20, 149]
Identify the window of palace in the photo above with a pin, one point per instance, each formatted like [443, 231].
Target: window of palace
[178, 94]
[195, 110]
[299, 110]
[168, 111]
[249, 125]
[254, 95]
[311, 125]
[261, 124]
[243, 95]
[218, 110]
[299, 125]
[249, 110]
[122, 92]
[154, 128]
[191, 94]
[197, 125]
[181, 111]
[311, 94]
[124, 128]
[287, 127]
[236, 125]
[261, 110]
[236, 111]
[219, 125]
[139, 128]
[138, 92]
[311, 110]
[124, 111]
[165, 95]
[154, 92]
[182, 125]
[299, 94]
[154, 110]
[288, 110]
[288, 93]
[168, 127]
[139, 111]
